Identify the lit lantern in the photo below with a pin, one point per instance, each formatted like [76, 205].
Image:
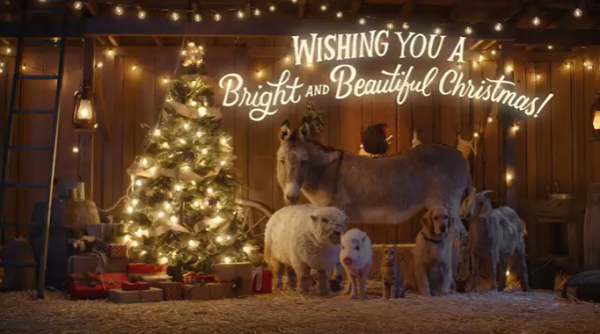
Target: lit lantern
[84, 112]
[596, 118]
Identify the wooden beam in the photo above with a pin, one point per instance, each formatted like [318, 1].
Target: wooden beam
[355, 8]
[113, 40]
[157, 41]
[476, 44]
[458, 9]
[507, 118]
[407, 10]
[488, 45]
[301, 8]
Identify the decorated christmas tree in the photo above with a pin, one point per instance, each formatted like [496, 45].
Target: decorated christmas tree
[182, 210]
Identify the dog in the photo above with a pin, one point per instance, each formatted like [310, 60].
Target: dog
[433, 254]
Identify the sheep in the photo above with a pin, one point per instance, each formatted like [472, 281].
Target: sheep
[302, 238]
[495, 234]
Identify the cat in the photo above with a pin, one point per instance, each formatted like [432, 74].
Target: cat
[391, 275]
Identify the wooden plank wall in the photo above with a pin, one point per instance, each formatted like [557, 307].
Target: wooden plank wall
[552, 147]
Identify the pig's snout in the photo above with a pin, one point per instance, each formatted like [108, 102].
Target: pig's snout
[347, 261]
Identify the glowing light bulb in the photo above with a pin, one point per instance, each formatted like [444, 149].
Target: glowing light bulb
[182, 141]
[126, 238]
[110, 52]
[167, 205]
[144, 161]
[577, 12]
[202, 111]
[589, 67]
[405, 25]
[475, 64]
[99, 65]
[223, 162]
[240, 14]
[204, 151]
[217, 17]
[287, 59]
[228, 237]
[198, 17]
[135, 243]
[437, 31]
[24, 67]
[134, 67]
[509, 178]
[160, 214]
[361, 21]
[223, 141]
[272, 8]
[199, 134]
[259, 74]
[246, 249]
[507, 272]
[141, 15]
[538, 77]
[193, 243]
[550, 47]
[156, 132]
[143, 253]
[227, 260]
[186, 126]
[119, 10]
[164, 260]
[309, 65]
[468, 30]
[134, 202]
[209, 190]
[219, 239]
[129, 209]
[459, 66]
[498, 26]
[339, 15]
[508, 69]
[173, 220]
[490, 119]
[256, 12]
[138, 183]
[174, 16]
[475, 135]
[77, 5]
[493, 52]
[567, 65]
[165, 80]
[196, 204]
[177, 187]
[536, 21]
[481, 57]
[75, 149]
[515, 128]
[323, 7]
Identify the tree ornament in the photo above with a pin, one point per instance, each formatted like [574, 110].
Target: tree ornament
[211, 249]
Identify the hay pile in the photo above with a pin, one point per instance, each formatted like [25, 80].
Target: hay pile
[281, 312]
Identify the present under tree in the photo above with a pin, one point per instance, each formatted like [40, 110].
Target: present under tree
[182, 209]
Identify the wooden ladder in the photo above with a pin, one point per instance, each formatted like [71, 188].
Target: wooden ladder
[46, 10]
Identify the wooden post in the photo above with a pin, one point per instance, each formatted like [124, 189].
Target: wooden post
[506, 67]
[591, 229]
[87, 152]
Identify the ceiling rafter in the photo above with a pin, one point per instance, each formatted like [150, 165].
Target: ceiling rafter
[301, 8]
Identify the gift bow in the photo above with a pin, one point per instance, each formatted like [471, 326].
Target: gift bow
[257, 273]
[80, 243]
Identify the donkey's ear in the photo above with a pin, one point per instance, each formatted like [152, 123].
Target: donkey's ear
[285, 132]
[304, 131]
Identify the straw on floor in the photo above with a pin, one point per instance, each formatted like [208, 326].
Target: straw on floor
[283, 312]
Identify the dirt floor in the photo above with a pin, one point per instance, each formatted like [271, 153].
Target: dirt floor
[281, 312]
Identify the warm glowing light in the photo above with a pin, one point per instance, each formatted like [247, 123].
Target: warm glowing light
[209, 190]
[256, 12]
[135, 243]
[509, 178]
[493, 52]
[538, 77]
[138, 183]
[272, 8]
[567, 65]
[217, 17]
[536, 21]
[186, 126]
[177, 187]
[126, 238]
[99, 65]
[223, 162]
[390, 25]
[339, 15]
[110, 52]
[135, 201]
[143, 253]
[8, 50]
[240, 14]
[156, 132]
[490, 119]
[196, 204]
[577, 12]
[246, 249]
[174, 16]
[166, 80]
[173, 220]
[475, 64]
[141, 15]
[165, 145]
[361, 21]
[227, 260]
[24, 67]
[498, 26]
[198, 17]
[475, 135]
[129, 209]
[405, 25]
[199, 134]
[193, 243]
[134, 67]
[223, 141]
[77, 5]
[204, 151]
[459, 66]
[202, 111]
[119, 10]
[589, 67]
[144, 161]
[468, 30]
[164, 260]
[508, 69]
[219, 239]
[515, 128]
[481, 58]
[507, 272]
[323, 7]
[259, 74]
[550, 47]
[437, 31]
[75, 149]
[160, 214]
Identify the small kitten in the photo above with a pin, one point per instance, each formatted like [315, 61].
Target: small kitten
[391, 275]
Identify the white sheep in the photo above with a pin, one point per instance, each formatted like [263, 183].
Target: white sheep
[495, 234]
[304, 237]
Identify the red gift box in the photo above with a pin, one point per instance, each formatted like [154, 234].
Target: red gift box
[192, 278]
[144, 269]
[117, 251]
[135, 286]
[266, 281]
[90, 286]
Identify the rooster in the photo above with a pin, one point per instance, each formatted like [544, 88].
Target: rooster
[373, 139]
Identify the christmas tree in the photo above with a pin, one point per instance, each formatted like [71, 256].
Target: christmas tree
[182, 210]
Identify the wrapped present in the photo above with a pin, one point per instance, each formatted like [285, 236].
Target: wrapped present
[87, 263]
[197, 291]
[91, 286]
[100, 231]
[116, 265]
[218, 290]
[121, 296]
[189, 278]
[134, 286]
[206, 278]
[171, 290]
[117, 251]
[144, 269]
[229, 272]
[262, 280]
[153, 278]
[192, 278]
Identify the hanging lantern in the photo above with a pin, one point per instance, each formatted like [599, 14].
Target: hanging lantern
[84, 112]
[596, 118]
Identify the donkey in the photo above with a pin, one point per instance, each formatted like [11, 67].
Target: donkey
[385, 190]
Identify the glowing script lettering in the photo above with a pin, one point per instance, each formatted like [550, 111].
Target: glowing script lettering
[262, 101]
[345, 81]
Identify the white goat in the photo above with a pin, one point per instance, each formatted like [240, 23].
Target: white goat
[495, 234]
[304, 237]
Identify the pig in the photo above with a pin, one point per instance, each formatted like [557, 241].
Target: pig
[356, 257]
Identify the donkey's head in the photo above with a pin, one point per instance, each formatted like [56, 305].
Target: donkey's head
[298, 160]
